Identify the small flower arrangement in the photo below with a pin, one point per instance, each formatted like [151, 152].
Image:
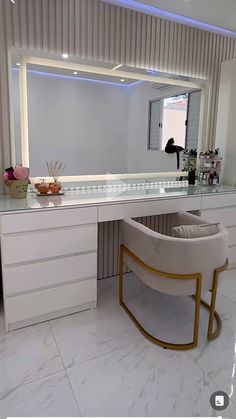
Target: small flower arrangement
[17, 179]
[16, 173]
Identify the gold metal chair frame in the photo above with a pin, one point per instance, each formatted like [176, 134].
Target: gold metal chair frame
[211, 334]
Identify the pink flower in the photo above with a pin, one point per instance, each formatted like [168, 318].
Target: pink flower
[9, 174]
[21, 172]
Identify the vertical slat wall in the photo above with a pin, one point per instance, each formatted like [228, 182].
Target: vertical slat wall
[101, 31]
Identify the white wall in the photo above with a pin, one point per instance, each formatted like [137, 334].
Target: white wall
[80, 123]
[139, 158]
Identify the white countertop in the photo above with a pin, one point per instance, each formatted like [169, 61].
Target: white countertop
[110, 195]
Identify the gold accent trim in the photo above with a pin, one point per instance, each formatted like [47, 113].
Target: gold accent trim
[197, 297]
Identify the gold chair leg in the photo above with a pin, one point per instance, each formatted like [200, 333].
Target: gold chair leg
[153, 339]
[211, 335]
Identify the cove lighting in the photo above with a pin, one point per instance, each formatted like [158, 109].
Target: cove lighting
[42, 73]
[145, 8]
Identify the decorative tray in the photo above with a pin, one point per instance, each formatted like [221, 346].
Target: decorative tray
[50, 194]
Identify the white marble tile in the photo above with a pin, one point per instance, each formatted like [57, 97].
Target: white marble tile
[228, 285]
[27, 354]
[218, 358]
[171, 318]
[92, 333]
[112, 368]
[50, 396]
[108, 289]
[142, 380]
[168, 317]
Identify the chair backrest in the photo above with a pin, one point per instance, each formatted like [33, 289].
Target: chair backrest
[175, 255]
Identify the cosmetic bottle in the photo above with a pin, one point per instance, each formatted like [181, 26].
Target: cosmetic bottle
[204, 179]
[215, 179]
[191, 177]
[211, 177]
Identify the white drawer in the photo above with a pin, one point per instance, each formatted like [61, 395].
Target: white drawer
[49, 273]
[23, 247]
[225, 216]
[217, 201]
[232, 235]
[149, 207]
[38, 305]
[14, 223]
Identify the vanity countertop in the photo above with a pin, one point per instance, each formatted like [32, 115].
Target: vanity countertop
[111, 195]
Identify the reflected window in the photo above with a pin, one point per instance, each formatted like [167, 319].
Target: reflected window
[175, 116]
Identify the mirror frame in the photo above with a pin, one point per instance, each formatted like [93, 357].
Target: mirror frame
[24, 120]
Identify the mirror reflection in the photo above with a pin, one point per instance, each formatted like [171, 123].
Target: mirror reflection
[98, 124]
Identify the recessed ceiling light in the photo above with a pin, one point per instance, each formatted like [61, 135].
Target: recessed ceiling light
[122, 80]
[64, 55]
[75, 72]
[18, 64]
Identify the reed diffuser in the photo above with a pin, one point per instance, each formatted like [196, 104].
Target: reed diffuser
[55, 169]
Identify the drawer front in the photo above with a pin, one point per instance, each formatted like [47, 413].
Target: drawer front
[45, 244]
[33, 305]
[225, 216]
[217, 201]
[164, 206]
[15, 223]
[49, 273]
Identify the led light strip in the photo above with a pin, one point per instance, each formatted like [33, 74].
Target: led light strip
[165, 14]
[93, 70]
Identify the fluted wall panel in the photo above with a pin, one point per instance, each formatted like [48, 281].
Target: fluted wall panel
[104, 32]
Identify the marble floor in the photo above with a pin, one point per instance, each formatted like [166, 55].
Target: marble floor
[96, 363]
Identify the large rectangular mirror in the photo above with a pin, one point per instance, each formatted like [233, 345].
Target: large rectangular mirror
[101, 119]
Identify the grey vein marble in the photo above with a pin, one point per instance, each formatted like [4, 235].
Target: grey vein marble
[27, 354]
[50, 396]
[112, 369]
[142, 380]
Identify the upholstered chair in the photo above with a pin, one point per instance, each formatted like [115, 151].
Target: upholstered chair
[175, 266]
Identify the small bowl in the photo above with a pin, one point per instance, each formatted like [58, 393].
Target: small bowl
[55, 187]
[42, 188]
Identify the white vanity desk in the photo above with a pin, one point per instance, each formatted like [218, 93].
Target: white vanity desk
[49, 245]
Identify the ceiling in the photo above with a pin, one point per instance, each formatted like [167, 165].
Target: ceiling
[220, 13]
